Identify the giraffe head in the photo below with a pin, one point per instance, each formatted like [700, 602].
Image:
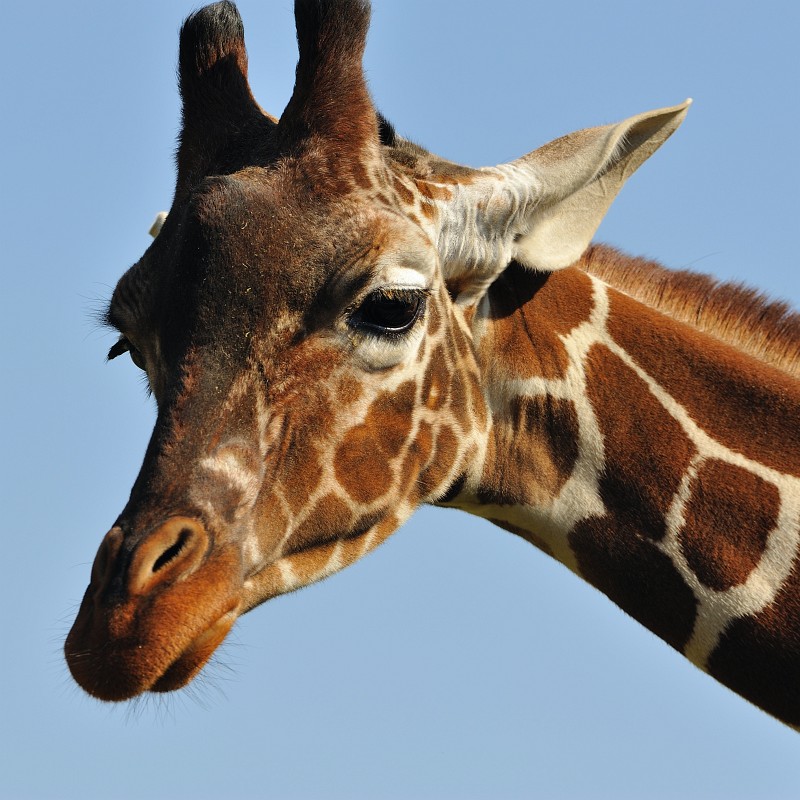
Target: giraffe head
[302, 317]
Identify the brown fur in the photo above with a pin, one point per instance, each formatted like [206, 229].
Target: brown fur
[740, 401]
[744, 509]
[533, 452]
[529, 312]
[738, 315]
[758, 656]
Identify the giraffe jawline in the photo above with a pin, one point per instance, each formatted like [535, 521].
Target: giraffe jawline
[196, 655]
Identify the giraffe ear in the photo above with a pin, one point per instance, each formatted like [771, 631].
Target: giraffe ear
[543, 209]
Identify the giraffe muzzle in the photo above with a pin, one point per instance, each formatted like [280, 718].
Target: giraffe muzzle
[154, 612]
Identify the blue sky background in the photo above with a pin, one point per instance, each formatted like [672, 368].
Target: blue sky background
[457, 661]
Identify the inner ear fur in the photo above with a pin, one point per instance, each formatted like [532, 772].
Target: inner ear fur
[579, 177]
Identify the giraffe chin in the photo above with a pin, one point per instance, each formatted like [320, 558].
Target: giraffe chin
[121, 672]
[195, 656]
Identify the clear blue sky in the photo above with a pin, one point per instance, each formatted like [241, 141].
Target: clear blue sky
[457, 661]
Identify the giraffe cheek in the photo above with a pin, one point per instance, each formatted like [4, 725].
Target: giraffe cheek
[416, 460]
[361, 468]
[434, 477]
[327, 521]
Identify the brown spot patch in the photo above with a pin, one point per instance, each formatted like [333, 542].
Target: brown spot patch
[462, 176]
[728, 519]
[329, 520]
[390, 416]
[441, 464]
[759, 656]
[528, 313]
[646, 454]
[302, 471]
[360, 175]
[734, 313]
[459, 408]
[533, 452]
[742, 403]
[384, 530]
[478, 401]
[436, 381]
[416, 459]
[434, 315]
[348, 391]
[266, 584]
[433, 192]
[307, 564]
[461, 342]
[613, 556]
[646, 450]
[362, 459]
[361, 468]
[403, 192]
[271, 519]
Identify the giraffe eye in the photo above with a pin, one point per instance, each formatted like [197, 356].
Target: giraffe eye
[389, 312]
[124, 345]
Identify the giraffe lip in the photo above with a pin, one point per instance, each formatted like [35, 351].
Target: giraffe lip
[196, 654]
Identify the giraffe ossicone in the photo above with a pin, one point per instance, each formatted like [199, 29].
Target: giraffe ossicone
[339, 326]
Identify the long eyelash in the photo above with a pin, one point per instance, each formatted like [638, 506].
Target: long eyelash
[405, 294]
[122, 345]
[389, 336]
[391, 294]
[145, 381]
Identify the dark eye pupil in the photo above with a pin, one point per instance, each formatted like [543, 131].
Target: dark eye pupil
[392, 313]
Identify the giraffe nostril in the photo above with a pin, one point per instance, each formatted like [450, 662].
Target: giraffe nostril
[170, 552]
[173, 551]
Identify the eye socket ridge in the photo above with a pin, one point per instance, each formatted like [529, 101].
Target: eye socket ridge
[389, 312]
[124, 345]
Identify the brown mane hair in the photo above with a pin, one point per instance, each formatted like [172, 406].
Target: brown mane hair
[736, 314]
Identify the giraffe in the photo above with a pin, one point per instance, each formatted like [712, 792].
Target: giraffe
[339, 326]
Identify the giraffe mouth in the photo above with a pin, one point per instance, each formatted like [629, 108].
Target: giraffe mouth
[153, 642]
[195, 656]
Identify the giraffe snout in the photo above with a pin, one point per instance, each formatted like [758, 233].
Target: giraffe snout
[155, 609]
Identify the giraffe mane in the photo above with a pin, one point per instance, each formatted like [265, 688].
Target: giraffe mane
[737, 314]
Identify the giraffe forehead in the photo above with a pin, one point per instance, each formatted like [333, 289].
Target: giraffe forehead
[283, 231]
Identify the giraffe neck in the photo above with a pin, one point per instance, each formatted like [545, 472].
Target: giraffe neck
[654, 460]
